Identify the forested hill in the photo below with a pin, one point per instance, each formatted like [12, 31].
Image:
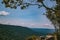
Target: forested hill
[10, 32]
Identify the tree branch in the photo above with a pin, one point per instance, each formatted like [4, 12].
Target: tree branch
[47, 7]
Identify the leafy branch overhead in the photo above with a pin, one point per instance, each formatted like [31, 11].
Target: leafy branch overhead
[21, 3]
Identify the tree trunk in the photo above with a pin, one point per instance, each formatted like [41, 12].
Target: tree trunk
[58, 34]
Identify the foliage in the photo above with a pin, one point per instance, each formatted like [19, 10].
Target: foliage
[33, 37]
[16, 3]
[10, 32]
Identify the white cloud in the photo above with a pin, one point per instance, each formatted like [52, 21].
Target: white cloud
[46, 24]
[4, 13]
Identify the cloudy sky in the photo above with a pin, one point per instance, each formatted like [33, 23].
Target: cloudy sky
[31, 17]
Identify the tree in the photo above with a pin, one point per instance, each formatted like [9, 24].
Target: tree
[53, 14]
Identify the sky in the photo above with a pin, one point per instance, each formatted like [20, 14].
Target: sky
[31, 17]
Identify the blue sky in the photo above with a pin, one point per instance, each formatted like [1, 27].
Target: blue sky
[31, 17]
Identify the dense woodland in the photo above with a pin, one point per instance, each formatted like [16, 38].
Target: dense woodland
[10, 32]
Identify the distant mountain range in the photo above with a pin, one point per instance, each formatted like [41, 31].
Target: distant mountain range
[11, 32]
[43, 31]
